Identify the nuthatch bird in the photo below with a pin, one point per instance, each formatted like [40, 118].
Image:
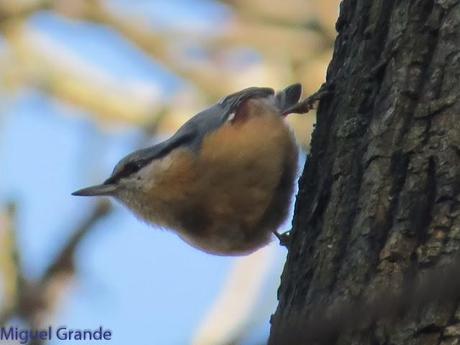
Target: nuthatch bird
[223, 182]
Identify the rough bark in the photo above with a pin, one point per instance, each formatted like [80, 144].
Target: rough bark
[379, 197]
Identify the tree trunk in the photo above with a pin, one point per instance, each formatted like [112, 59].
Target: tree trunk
[379, 197]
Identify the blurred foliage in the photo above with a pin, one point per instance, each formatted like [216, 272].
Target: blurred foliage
[293, 40]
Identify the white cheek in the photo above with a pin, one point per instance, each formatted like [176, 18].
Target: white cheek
[145, 178]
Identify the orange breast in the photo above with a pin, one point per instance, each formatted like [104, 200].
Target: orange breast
[219, 199]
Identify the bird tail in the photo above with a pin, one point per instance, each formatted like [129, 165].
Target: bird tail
[288, 97]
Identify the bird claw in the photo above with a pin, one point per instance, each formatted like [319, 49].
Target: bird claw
[309, 103]
[284, 238]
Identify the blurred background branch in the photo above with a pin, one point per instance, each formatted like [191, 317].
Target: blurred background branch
[34, 301]
[10, 262]
[292, 45]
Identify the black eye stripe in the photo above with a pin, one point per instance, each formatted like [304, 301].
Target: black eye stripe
[133, 166]
[128, 169]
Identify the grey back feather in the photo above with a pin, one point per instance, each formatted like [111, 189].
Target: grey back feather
[191, 134]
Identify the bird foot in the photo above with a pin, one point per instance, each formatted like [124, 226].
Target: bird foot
[309, 103]
[284, 238]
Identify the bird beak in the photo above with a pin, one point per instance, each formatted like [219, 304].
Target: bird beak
[101, 189]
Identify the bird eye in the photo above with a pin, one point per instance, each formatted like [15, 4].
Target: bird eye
[126, 170]
[129, 168]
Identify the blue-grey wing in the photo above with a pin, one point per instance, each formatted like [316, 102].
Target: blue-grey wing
[192, 133]
[189, 135]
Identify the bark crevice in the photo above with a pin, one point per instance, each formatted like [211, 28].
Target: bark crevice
[379, 202]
